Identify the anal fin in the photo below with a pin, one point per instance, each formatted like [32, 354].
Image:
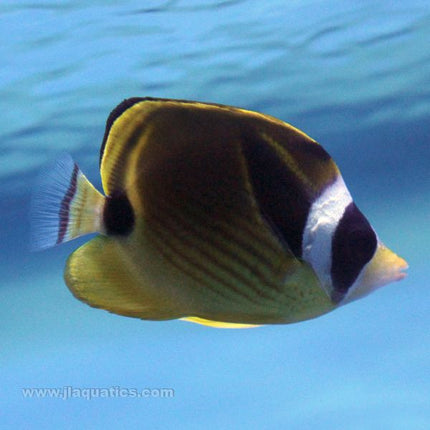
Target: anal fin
[98, 274]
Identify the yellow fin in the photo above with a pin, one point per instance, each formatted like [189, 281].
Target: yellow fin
[99, 273]
[218, 324]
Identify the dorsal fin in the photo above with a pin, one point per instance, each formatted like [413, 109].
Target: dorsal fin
[125, 128]
[117, 112]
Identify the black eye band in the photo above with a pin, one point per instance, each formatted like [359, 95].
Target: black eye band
[354, 243]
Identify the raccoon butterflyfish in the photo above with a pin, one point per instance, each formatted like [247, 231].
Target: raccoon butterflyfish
[212, 214]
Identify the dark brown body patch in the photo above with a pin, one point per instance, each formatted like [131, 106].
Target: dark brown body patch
[118, 215]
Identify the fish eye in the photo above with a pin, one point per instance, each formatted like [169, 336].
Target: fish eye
[353, 246]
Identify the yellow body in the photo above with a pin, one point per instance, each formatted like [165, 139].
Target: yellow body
[204, 219]
[200, 249]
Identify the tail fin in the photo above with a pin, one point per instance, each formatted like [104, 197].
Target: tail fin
[64, 205]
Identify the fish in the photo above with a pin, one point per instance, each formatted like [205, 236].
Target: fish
[212, 214]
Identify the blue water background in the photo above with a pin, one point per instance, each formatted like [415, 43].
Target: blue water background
[355, 75]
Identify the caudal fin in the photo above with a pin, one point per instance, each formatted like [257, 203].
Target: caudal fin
[65, 205]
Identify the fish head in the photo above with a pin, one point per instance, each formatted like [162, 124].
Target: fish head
[344, 250]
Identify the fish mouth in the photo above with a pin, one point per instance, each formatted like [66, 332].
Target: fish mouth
[403, 267]
[384, 267]
[399, 267]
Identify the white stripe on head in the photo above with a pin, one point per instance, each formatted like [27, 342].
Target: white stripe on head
[324, 216]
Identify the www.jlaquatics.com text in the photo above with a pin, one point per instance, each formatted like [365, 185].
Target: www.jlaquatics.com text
[88, 393]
